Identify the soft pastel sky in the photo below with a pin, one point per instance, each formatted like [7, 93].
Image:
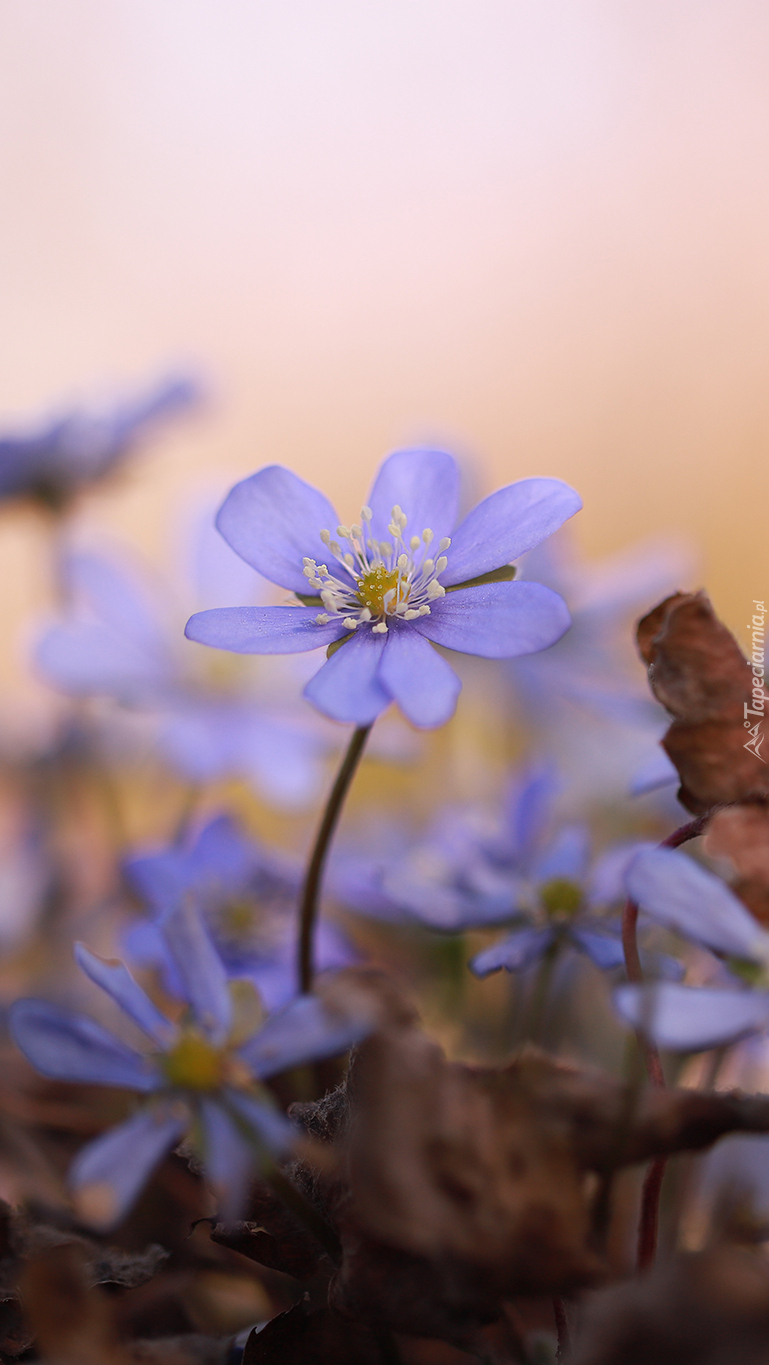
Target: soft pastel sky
[535, 230]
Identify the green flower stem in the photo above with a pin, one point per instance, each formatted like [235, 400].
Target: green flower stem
[539, 999]
[308, 912]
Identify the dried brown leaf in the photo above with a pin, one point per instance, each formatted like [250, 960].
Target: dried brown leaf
[312, 1337]
[699, 674]
[741, 833]
[711, 1308]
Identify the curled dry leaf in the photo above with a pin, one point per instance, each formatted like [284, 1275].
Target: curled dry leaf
[699, 674]
[741, 833]
[711, 1308]
[458, 1187]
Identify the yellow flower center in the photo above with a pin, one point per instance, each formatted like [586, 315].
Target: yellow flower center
[236, 919]
[560, 897]
[194, 1063]
[374, 586]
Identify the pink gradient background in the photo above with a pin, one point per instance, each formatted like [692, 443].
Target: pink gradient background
[534, 231]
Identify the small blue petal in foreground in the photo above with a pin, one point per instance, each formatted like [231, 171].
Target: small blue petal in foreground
[399, 578]
[690, 1019]
[680, 894]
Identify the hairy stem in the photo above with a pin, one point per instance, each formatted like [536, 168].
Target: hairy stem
[308, 912]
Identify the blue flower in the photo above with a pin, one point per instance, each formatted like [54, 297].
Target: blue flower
[201, 1077]
[679, 894]
[53, 461]
[400, 580]
[118, 639]
[247, 897]
[472, 873]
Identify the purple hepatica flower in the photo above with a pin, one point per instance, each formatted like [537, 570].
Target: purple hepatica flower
[676, 892]
[401, 580]
[248, 900]
[118, 639]
[471, 874]
[202, 1076]
[54, 461]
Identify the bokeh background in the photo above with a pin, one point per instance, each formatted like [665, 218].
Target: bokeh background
[536, 231]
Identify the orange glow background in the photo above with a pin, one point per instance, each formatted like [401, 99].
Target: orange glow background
[534, 231]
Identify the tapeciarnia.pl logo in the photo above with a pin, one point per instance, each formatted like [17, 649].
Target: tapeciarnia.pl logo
[756, 707]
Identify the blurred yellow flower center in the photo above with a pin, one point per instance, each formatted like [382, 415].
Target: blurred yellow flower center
[374, 587]
[194, 1063]
[237, 918]
[561, 897]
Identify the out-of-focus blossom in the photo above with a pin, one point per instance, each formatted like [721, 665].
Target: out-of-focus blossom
[52, 461]
[401, 580]
[586, 698]
[671, 888]
[248, 898]
[119, 639]
[200, 1078]
[474, 871]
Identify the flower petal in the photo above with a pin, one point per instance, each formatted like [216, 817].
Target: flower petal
[513, 953]
[273, 1131]
[567, 855]
[528, 810]
[605, 950]
[228, 1159]
[347, 687]
[115, 978]
[273, 520]
[304, 1031]
[71, 1047]
[424, 484]
[680, 894]
[263, 630]
[200, 968]
[418, 679]
[497, 620]
[108, 1174]
[506, 524]
[690, 1019]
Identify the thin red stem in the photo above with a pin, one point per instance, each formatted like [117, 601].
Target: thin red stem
[562, 1329]
[648, 1227]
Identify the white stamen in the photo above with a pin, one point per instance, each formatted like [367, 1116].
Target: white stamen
[444, 544]
[427, 566]
[335, 548]
[403, 562]
[379, 629]
[326, 537]
[366, 514]
[435, 589]
[385, 548]
[365, 614]
[410, 615]
[356, 532]
[395, 530]
[350, 623]
[343, 532]
[427, 535]
[323, 619]
[415, 542]
[440, 564]
[348, 559]
[424, 610]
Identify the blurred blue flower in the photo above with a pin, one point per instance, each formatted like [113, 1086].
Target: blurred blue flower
[387, 598]
[248, 899]
[200, 1078]
[120, 639]
[681, 895]
[53, 461]
[586, 700]
[472, 872]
